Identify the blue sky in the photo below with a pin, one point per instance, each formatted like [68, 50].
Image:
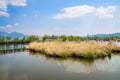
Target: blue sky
[60, 17]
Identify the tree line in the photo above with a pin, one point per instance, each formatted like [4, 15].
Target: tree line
[54, 37]
[18, 39]
[79, 38]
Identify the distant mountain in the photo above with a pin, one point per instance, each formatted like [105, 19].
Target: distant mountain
[104, 35]
[12, 34]
[16, 34]
[2, 33]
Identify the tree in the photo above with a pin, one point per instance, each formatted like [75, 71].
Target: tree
[33, 38]
[16, 39]
[2, 38]
[70, 38]
[54, 37]
[63, 38]
[45, 37]
[25, 38]
[8, 38]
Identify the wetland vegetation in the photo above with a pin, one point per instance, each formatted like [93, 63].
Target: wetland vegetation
[84, 49]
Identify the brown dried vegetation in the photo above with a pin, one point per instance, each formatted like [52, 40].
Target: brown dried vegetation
[88, 49]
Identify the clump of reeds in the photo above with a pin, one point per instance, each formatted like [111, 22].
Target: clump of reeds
[89, 49]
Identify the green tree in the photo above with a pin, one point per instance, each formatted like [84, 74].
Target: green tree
[63, 38]
[16, 39]
[70, 38]
[54, 37]
[24, 39]
[8, 38]
[2, 38]
[45, 37]
[33, 38]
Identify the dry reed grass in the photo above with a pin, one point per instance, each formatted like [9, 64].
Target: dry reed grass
[89, 49]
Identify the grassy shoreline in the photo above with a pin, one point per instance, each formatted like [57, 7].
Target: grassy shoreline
[88, 49]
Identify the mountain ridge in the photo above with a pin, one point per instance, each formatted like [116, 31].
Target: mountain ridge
[107, 35]
[18, 34]
[12, 34]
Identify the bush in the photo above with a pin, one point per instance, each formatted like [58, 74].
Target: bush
[33, 38]
[65, 54]
[63, 38]
[109, 53]
[89, 55]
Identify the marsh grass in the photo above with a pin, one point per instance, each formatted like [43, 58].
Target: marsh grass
[90, 55]
[88, 49]
[65, 54]
[109, 53]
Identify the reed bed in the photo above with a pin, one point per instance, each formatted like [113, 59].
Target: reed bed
[85, 49]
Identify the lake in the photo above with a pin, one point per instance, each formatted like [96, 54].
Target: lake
[23, 65]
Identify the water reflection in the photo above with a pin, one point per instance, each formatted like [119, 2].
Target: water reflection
[4, 69]
[20, 77]
[11, 48]
[36, 66]
[78, 65]
[4, 74]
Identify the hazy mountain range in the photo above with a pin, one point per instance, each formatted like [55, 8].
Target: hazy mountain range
[17, 34]
[103, 35]
[12, 34]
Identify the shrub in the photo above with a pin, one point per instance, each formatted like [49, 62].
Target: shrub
[63, 38]
[90, 55]
[65, 54]
[33, 38]
[43, 51]
[109, 53]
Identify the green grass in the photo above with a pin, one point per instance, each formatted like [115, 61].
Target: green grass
[43, 51]
[65, 54]
[90, 55]
[109, 53]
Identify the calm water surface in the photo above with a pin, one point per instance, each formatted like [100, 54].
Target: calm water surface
[34, 66]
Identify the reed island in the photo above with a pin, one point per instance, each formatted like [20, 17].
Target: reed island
[83, 49]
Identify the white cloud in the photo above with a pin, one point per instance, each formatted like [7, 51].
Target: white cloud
[4, 5]
[3, 13]
[9, 26]
[72, 12]
[105, 12]
[18, 2]
[77, 11]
